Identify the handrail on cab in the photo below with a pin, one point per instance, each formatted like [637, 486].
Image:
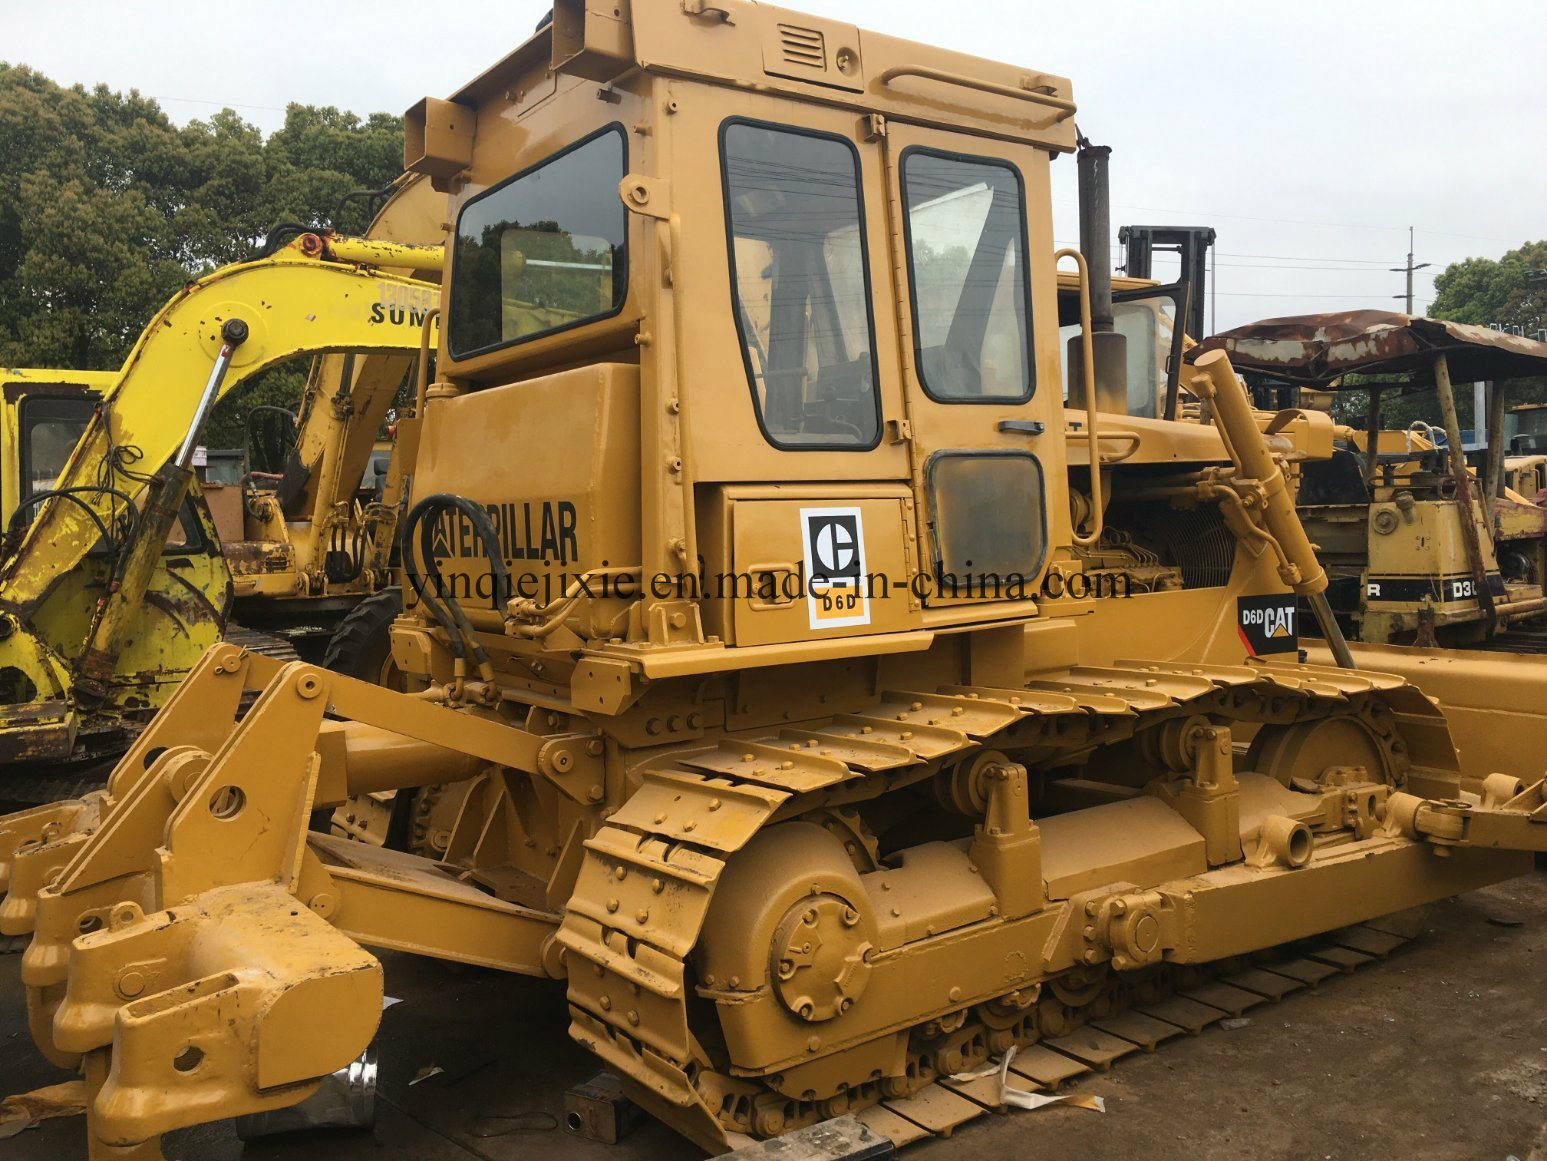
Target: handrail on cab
[1088, 374]
[1033, 91]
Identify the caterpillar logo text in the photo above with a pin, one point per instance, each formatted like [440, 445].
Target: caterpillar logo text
[1268, 624]
[528, 530]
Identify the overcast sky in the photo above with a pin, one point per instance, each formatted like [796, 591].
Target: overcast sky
[1310, 135]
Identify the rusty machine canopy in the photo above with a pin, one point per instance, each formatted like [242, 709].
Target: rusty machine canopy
[1318, 349]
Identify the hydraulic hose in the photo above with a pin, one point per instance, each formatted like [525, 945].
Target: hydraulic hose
[451, 616]
[72, 493]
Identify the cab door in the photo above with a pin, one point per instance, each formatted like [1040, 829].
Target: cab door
[979, 420]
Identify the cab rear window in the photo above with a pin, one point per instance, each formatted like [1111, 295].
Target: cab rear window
[541, 252]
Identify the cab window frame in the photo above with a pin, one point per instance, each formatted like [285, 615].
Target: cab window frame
[25, 422]
[1029, 334]
[620, 273]
[194, 541]
[738, 312]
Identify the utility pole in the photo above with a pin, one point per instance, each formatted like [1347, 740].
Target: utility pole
[1408, 270]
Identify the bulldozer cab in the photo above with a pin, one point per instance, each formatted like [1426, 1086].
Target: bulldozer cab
[842, 417]
[827, 414]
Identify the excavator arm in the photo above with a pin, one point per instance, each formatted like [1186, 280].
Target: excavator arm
[292, 304]
[130, 473]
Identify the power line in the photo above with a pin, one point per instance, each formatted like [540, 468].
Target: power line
[1299, 294]
[1333, 269]
[1308, 258]
[1294, 221]
[221, 104]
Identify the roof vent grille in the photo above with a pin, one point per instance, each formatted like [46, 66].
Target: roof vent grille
[803, 46]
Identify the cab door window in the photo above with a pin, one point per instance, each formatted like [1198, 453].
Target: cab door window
[966, 240]
[800, 284]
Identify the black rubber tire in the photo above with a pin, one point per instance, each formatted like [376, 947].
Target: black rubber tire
[361, 644]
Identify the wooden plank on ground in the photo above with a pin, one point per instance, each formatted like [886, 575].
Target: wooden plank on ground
[937, 1109]
[898, 1130]
[1188, 1015]
[1145, 1031]
[1092, 1046]
[1044, 1067]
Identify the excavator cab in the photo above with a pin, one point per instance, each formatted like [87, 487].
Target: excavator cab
[42, 415]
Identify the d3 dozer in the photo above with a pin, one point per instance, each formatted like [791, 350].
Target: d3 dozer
[116, 578]
[1422, 547]
[773, 599]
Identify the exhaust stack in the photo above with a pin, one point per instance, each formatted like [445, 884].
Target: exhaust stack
[1109, 349]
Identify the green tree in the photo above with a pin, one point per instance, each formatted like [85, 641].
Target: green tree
[107, 208]
[1483, 292]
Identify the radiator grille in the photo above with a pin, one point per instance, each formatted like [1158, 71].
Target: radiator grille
[1197, 541]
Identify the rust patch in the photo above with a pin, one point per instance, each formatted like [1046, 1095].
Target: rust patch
[39, 731]
[254, 557]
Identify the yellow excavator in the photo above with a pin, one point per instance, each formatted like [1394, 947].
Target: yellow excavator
[116, 578]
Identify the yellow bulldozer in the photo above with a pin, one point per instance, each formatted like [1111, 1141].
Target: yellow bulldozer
[772, 599]
[117, 574]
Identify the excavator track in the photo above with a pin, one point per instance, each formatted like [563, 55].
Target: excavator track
[269, 645]
[649, 876]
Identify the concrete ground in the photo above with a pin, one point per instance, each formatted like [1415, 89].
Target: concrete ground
[1441, 1052]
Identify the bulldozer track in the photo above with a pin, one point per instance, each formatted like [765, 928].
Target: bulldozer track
[649, 874]
[1140, 1027]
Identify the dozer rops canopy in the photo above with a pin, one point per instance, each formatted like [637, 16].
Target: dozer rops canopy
[1316, 349]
